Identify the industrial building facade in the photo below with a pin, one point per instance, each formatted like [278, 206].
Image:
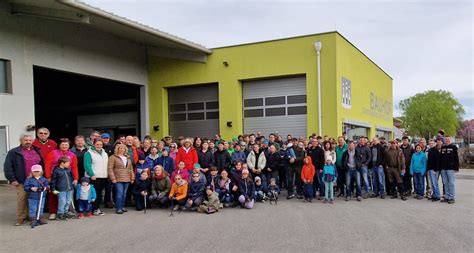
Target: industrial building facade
[272, 87]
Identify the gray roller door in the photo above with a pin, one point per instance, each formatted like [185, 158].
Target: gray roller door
[194, 111]
[275, 105]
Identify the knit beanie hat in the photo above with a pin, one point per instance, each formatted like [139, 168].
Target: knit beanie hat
[85, 180]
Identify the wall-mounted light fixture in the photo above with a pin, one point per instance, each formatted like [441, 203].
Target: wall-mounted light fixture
[156, 128]
[229, 123]
[226, 64]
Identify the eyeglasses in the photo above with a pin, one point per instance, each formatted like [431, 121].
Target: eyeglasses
[195, 176]
[43, 133]
[173, 147]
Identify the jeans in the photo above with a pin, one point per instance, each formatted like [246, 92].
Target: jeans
[308, 191]
[351, 175]
[225, 198]
[419, 180]
[120, 195]
[83, 206]
[378, 180]
[449, 182]
[64, 200]
[259, 195]
[434, 175]
[33, 206]
[320, 183]
[365, 176]
[329, 193]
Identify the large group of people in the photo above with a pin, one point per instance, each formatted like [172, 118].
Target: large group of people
[205, 175]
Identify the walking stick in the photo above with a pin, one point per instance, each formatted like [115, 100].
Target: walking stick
[73, 207]
[144, 198]
[172, 208]
[38, 212]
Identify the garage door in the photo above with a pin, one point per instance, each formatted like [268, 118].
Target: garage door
[275, 105]
[194, 111]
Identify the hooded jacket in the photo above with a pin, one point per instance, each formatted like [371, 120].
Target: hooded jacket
[239, 157]
[317, 157]
[141, 185]
[247, 188]
[222, 160]
[252, 159]
[273, 162]
[449, 157]
[206, 159]
[418, 163]
[308, 171]
[161, 186]
[363, 156]
[92, 192]
[33, 182]
[179, 191]
[434, 159]
[167, 163]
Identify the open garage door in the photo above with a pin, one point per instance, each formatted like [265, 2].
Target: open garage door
[70, 104]
[194, 111]
[275, 105]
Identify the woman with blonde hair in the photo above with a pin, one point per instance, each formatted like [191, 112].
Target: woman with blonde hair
[121, 175]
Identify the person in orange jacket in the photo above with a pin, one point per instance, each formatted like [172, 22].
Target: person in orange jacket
[179, 192]
[307, 176]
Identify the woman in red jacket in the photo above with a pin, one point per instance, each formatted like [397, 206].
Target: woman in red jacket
[51, 163]
[187, 154]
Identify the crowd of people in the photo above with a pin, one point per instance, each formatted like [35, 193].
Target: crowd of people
[205, 175]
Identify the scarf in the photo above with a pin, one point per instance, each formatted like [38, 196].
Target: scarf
[159, 177]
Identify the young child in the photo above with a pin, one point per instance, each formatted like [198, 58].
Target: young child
[85, 195]
[213, 179]
[140, 190]
[166, 161]
[238, 155]
[211, 205]
[260, 190]
[418, 170]
[224, 188]
[195, 193]
[307, 175]
[62, 185]
[179, 192]
[184, 173]
[36, 185]
[202, 177]
[273, 190]
[142, 165]
[329, 178]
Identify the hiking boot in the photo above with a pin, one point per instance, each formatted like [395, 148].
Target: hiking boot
[33, 222]
[42, 221]
[52, 216]
[70, 215]
[451, 201]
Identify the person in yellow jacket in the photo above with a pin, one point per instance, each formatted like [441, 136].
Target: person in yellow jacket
[179, 192]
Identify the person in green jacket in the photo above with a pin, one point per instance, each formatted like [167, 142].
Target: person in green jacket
[211, 205]
[340, 149]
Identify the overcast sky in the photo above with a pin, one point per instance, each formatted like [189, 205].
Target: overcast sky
[423, 45]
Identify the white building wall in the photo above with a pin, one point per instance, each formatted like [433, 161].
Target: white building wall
[28, 41]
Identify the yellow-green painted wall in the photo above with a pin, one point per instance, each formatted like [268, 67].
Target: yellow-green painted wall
[366, 78]
[287, 57]
[279, 58]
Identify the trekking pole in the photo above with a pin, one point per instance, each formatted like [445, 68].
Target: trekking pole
[38, 212]
[172, 207]
[73, 206]
[144, 198]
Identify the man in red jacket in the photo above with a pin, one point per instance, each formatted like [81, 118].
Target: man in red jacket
[187, 154]
[44, 144]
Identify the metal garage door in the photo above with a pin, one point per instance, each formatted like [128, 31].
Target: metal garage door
[194, 111]
[275, 105]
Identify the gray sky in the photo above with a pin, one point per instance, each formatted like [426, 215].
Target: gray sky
[423, 45]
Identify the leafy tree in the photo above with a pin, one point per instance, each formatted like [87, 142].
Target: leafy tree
[467, 131]
[425, 113]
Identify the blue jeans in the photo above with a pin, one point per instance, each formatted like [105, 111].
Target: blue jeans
[33, 206]
[378, 180]
[448, 182]
[419, 180]
[365, 177]
[320, 183]
[120, 194]
[351, 175]
[64, 200]
[83, 206]
[225, 198]
[308, 191]
[434, 183]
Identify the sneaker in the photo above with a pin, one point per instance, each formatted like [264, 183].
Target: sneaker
[382, 196]
[359, 199]
[365, 196]
[340, 195]
[434, 199]
[331, 201]
[100, 212]
[119, 212]
[80, 216]
[310, 200]
[221, 206]
[124, 210]
[89, 215]
[347, 198]
[404, 198]
[325, 201]
[451, 201]
[374, 196]
[444, 201]
[176, 208]
[52, 216]
[299, 196]
[19, 223]
[290, 196]
[394, 196]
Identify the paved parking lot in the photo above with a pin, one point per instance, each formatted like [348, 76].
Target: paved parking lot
[374, 225]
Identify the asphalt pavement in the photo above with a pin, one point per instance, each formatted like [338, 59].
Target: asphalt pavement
[373, 225]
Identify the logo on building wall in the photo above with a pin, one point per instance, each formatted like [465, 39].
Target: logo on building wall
[379, 107]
